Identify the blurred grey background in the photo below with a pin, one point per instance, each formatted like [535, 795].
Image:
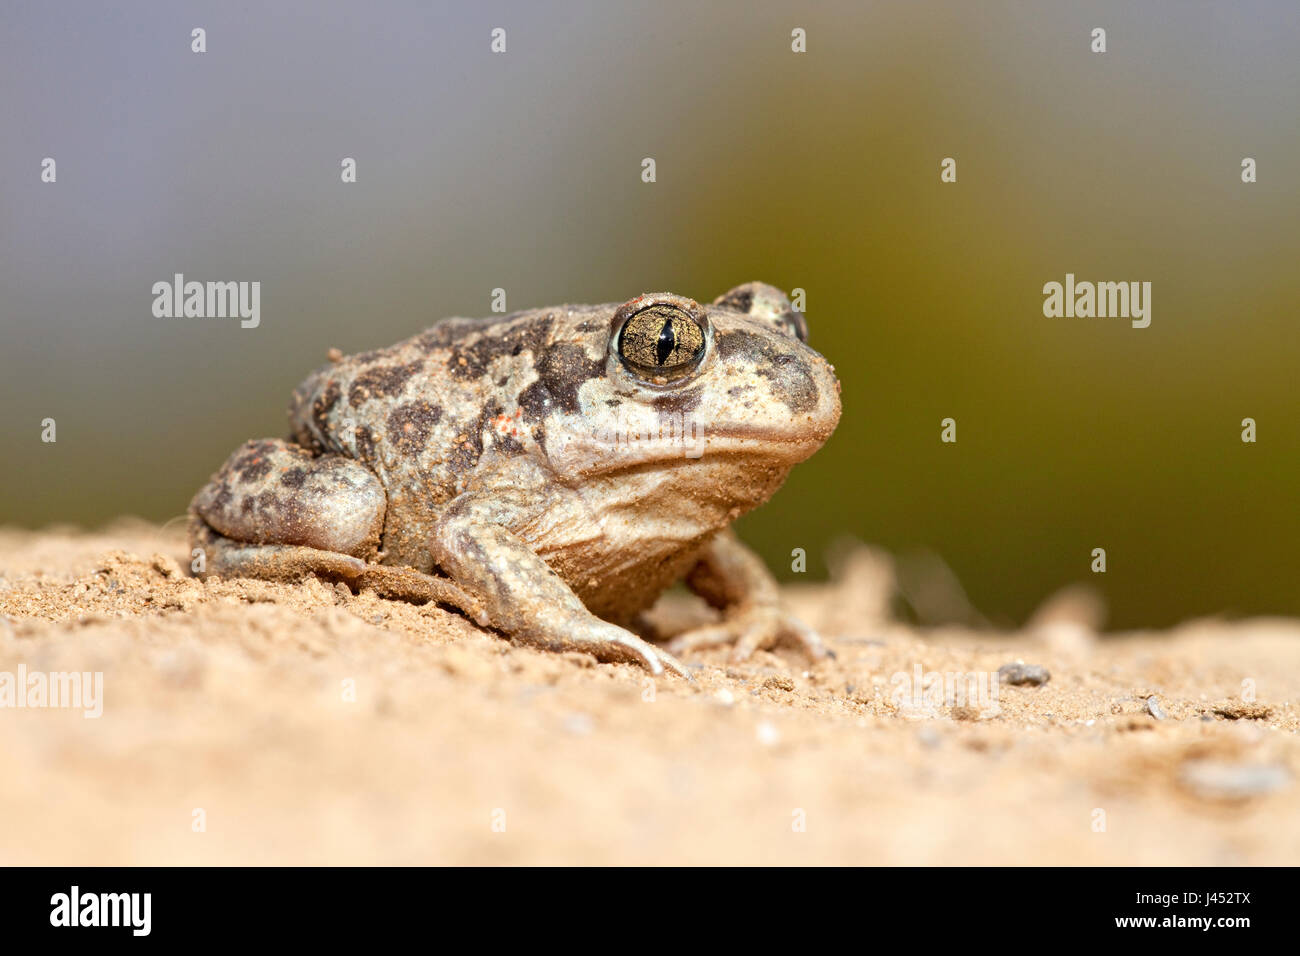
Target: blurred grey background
[817, 170]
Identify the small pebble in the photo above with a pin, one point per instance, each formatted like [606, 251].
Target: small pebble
[1022, 673]
[779, 682]
[1155, 710]
[724, 696]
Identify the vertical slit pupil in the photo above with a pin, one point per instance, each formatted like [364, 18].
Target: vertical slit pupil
[667, 342]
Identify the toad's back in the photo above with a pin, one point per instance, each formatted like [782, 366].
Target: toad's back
[423, 413]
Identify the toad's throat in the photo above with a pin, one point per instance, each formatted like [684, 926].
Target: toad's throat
[681, 500]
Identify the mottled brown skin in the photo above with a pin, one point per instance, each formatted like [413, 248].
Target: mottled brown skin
[541, 474]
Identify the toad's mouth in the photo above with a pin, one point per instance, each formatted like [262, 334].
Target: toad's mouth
[599, 454]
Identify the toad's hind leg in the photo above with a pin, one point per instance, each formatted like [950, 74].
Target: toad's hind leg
[277, 512]
[225, 558]
[275, 492]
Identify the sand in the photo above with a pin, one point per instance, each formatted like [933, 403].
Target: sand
[249, 722]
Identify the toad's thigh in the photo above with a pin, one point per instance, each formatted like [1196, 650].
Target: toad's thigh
[276, 493]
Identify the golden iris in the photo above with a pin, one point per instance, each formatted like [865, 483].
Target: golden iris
[662, 342]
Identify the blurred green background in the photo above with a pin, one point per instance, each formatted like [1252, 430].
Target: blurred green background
[817, 170]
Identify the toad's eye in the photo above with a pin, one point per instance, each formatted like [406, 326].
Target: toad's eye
[661, 342]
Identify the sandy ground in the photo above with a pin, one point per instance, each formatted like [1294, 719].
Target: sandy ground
[246, 722]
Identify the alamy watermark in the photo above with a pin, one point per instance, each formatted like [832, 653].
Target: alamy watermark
[931, 690]
[1084, 300]
[642, 431]
[73, 690]
[75, 908]
[208, 300]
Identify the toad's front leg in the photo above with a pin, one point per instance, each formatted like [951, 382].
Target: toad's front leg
[734, 579]
[519, 592]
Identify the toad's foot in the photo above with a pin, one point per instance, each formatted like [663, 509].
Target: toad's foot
[755, 628]
[611, 643]
[733, 579]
